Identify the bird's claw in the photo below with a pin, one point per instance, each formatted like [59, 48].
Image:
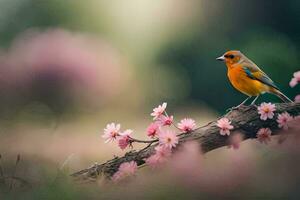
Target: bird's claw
[233, 108]
[236, 107]
[254, 105]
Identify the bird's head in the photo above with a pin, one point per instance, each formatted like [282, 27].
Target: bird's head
[231, 57]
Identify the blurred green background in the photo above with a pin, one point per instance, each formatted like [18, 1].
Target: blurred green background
[69, 67]
[169, 46]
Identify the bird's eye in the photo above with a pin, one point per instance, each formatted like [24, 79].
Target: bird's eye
[229, 56]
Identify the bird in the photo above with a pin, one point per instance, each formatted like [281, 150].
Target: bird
[248, 78]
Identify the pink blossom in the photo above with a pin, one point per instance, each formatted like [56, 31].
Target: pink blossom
[152, 130]
[125, 169]
[264, 135]
[168, 139]
[158, 111]
[186, 125]
[283, 120]
[124, 139]
[296, 79]
[297, 98]
[225, 126]
[111, 132]
[266, 110]
[162, 151]
[160, 156]
[165, 120]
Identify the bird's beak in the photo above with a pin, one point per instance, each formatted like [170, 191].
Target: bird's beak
[221, 58]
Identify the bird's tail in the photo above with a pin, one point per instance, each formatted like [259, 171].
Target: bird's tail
[281, 96]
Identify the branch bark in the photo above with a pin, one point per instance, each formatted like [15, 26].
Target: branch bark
[245, 120]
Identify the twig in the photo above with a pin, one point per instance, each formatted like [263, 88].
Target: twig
[143, 141]
[14, 172]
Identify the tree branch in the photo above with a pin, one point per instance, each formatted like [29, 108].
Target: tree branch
[245, 120]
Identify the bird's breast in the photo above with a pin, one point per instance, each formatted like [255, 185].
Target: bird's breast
[236, 74]
[239, 79]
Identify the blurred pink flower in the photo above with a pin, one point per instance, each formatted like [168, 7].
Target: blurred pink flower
[126, 169]
[294, 124]
[160, 156]
[124, 139]
[162, 151]
[186, 164]
[264, 135]
[225, 126]
[296, 79]
[70, 66]
[153, 161]
[186, 125]
[283, 120]
[165, 120]
[297, 98]
[235, 141]
[152, 130]
[111, 132]
[158, 111]
[168, 139]
[266, 110]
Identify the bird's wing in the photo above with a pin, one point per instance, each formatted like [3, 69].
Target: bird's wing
[255, 73]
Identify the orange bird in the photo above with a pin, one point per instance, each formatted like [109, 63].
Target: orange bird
[247, 78]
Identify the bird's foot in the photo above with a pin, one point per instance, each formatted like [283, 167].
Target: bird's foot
[231, 109]
[253, 105]
[235, 108]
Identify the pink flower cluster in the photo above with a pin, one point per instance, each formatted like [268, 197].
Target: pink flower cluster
[158, 131]
[161, 118]
[167, 138]
[266, 111]
[112, 132]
